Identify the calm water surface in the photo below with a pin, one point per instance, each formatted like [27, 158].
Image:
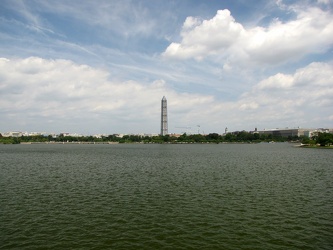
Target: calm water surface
[262, 196]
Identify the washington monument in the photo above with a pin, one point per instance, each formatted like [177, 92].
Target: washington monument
[164, 117]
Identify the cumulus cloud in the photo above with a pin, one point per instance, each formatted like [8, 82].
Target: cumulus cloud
[311, 31]
[278, 81]
[59, 94]
[314, 75]
[288, 96]
[201, 38]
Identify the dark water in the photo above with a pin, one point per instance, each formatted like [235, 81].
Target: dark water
[264, 196]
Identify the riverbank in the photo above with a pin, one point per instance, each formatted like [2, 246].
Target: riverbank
[75, 142]
[314, 146]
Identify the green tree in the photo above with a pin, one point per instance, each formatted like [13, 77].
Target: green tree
[325, 139]
[166, 138]
[230, 137]
[256, 136]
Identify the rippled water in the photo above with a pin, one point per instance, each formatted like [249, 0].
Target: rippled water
[263, 196]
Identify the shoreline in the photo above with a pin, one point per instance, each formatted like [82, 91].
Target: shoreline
[74, 142]
[114, 143]
[28, 143]
[315, 146]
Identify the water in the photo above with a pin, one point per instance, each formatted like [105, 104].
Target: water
[263, 196]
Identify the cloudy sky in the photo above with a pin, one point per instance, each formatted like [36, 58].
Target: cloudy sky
[103, 66]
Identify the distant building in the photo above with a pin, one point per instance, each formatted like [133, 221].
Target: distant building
[12, 134]
[164, 117]
[315, 132]
[286, 132]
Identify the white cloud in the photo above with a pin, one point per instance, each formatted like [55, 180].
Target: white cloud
[306, 94]
[191, 22]
[59, 95]
[310, 32]
[200, 39]
[315, 75]
[62, 94]
[250, 105]
[324, 1]
[278, 81]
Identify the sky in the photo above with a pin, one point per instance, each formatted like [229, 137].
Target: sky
[102, 67]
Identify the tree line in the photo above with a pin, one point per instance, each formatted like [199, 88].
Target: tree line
[323, 139]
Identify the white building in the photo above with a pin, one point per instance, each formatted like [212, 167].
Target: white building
[12, 134]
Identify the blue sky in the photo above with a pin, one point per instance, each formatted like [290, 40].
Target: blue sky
[103, 66]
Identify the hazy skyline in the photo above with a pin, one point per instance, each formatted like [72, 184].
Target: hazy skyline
[103, 66]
